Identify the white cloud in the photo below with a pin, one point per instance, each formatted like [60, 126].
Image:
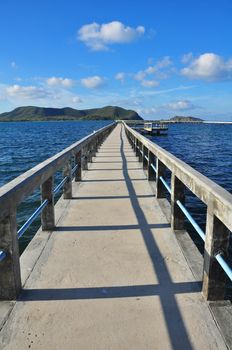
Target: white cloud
[58, 81]
[99, 36]
[165, 62]
[17, 95]
[145, 93]
[182, 105]
[209, 67]
[26, 92]
[155, 71]
[186, 58]
[120, 76]
[94, 82]
[140, 75]
[77, 99]
[149, 83]
[147, 111]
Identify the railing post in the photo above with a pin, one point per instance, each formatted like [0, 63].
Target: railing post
[98, 142]
[145, 153]
[93, 147]
[137, 148]
[140, 154]
[67, 189]
[84, 159]
[177, 193]
[160, 190]
[216, 241]
[48, 213]
[89, 152]
[10, 277]
[78, 156]
[134, 143]
[151, 160]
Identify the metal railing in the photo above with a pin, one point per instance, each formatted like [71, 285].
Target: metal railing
[13, 193]
[219, 208]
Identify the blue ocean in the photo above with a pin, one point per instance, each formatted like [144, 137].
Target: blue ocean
[206, 147]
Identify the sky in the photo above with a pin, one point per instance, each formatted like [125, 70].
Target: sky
[161, 58]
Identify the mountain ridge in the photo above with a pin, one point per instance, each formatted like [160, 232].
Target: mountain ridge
[34, 113]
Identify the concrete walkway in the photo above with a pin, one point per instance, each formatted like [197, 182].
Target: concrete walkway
[112, 275]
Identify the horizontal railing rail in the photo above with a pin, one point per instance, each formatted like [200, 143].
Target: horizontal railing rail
[13, 193]
[218, 201]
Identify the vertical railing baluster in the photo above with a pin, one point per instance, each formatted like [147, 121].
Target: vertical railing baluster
[67, 188]
[177, 193]
[137, 148]
[48, 213]
[134, 143]
[94, 147]
[10, 276]
[78, 162]
[216, 241]
[140, 152]
[160, 171]
[89, 152]
[145, 154]
[151, 172]
[84, 159]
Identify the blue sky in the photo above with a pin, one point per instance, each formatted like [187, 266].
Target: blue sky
[161, 58]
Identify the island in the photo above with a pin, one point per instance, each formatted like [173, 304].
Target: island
[32, 113]
[181, 119]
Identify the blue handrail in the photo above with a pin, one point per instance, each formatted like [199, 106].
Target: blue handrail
[32, 218]
[61, 184]
[154, 168]
[225, 266]
[165, 184]
[191, 220]
[2, 255]
[74, 169]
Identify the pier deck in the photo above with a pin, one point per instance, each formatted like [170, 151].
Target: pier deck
[111, 275]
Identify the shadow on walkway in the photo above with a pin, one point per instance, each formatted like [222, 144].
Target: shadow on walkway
[104, 292]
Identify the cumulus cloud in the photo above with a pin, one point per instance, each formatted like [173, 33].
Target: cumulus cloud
[93, 82]
[209, 67]
[120, 76]
[37, 95]
[58, 81]
[149, 83]
[182, 105]
[155, 71]
[163, 63]
[27, 92]
[99, 36]
[140, 75]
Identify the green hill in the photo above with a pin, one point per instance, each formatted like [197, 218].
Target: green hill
[181, 119]
[31, 113]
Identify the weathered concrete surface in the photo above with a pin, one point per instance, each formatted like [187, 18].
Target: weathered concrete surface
[112, 276]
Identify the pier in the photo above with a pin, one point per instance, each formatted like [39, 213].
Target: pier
[112, 266]
[149, 128]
